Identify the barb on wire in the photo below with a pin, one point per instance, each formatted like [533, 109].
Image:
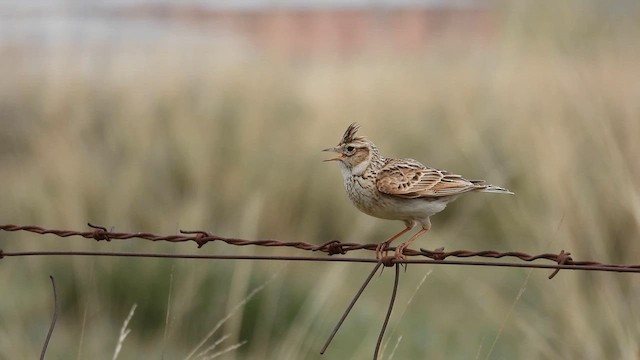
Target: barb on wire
[53, 319]
[562, 259]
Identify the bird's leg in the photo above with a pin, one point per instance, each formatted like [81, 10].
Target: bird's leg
[385, 244]
[404, 245]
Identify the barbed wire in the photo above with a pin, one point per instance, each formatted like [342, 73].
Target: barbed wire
[562, 260]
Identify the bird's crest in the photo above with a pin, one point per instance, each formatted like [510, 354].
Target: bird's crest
[350, 135]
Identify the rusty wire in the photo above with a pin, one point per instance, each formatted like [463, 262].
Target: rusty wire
[54, 318]
[392, 301]
[348, 310]
[562, 260]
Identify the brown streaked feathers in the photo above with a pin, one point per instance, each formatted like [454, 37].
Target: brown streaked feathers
[408, 178]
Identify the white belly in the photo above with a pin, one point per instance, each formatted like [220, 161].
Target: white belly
[371, 202]
[408, 209]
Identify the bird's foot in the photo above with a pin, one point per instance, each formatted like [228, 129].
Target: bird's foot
[381, 250]
[400, 252]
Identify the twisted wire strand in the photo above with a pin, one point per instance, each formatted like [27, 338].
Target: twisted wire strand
[562, 259]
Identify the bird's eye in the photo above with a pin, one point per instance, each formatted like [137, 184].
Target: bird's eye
[350, 149]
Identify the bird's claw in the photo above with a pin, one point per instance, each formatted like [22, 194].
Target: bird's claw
[400, 253]
[383, 247]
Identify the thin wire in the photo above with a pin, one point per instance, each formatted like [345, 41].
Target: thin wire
[53, 319]
[346, 312]
[606, 268]
[386, 318]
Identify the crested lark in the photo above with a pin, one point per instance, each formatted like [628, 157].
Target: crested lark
[398, 189]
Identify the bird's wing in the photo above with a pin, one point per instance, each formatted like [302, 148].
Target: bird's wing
[408, 178]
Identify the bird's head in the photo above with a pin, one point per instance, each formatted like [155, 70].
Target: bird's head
[354, 152]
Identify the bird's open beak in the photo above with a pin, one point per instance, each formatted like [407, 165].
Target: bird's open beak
[337, 158]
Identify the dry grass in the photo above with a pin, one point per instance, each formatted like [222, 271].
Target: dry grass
[154, 140]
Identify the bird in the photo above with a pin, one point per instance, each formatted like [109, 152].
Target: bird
[398, 189]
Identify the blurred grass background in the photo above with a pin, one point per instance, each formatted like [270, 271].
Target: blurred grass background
[171, 136]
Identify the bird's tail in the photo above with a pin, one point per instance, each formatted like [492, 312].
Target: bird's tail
[495, 189]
